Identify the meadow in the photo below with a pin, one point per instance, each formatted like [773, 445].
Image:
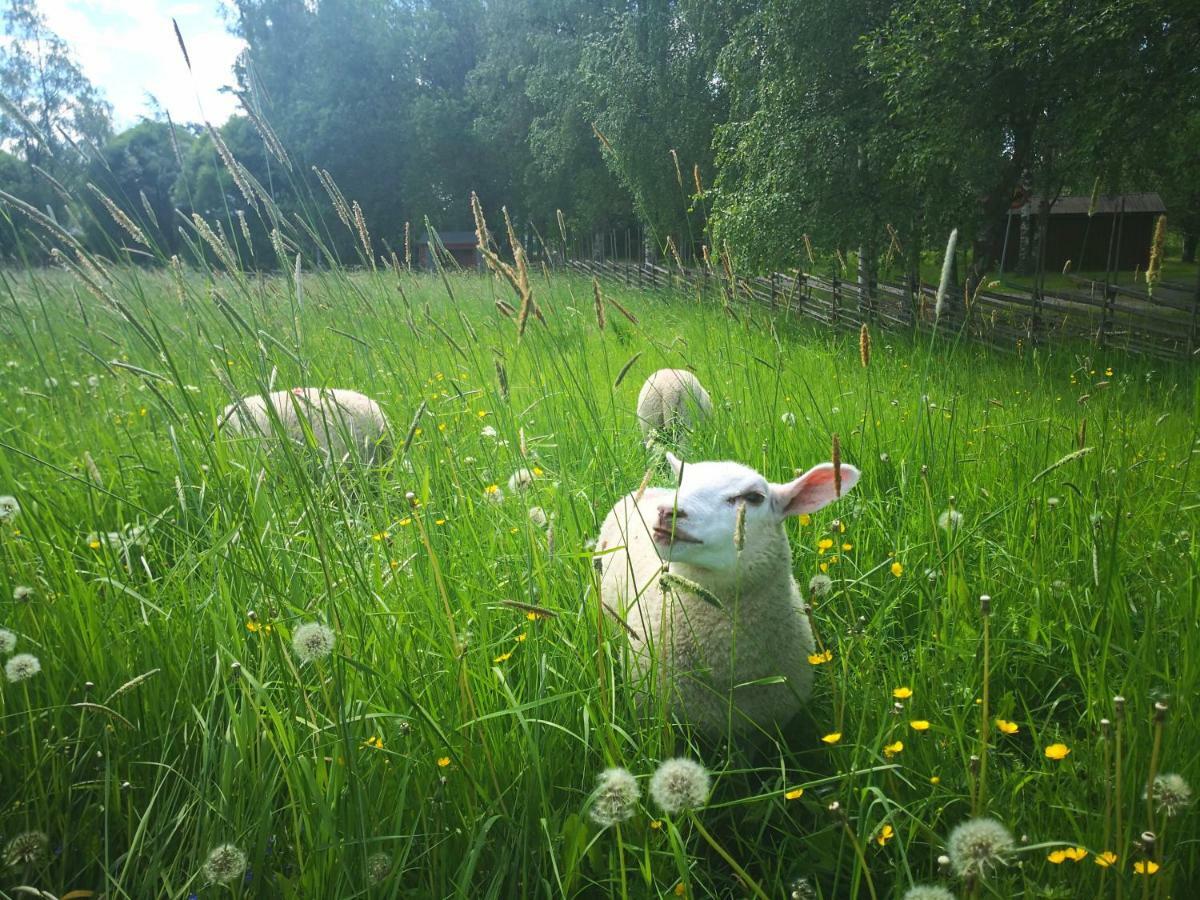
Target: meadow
[450, 744]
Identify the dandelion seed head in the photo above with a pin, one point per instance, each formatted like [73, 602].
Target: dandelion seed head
[950, 520]
[520, 480]
[379, 865]
[9, 508]
[788, 419]
[977, 846]
[21, 667]
[538, 516]
[928, 892]
[312, 641]
[680, 784]
[802, 889]
[615, 798]
[8, 641]
[224, 864]
[1171, 793]
[26, 848]
[820, 585]
[22, 593]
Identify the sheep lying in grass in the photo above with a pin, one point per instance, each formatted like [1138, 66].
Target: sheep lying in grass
[672, 399]
[346, 425]
[721, 630]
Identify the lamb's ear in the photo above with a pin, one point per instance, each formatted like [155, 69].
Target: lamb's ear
[812, 490]
[676, 464]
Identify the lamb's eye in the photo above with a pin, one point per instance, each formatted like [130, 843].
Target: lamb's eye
[751, 498]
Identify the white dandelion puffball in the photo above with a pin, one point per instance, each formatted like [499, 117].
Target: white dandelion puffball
[8, 641]
[312, 641]
[9, 508]
[1171, 793]
[93, 381]
[21, 667]
[538, 516]
[950, 520]
[26, 848]
[928, 892]
[788, 419]
[520, 480]
[615, 798]
[820, 585]
[51, 383]
[680, 784]
[22, 593]
[224, 864]
[378, 866]
[977, 846]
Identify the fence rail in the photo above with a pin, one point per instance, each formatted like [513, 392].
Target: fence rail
[1164, 324]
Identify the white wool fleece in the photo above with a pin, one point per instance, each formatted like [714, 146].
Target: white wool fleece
[347, 425]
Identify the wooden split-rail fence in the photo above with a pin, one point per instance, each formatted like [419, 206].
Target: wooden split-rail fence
[1164, 323]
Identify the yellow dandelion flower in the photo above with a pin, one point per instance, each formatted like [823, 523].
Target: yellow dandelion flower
[893, 748]
[656, 824]
[142, 411]
[832, 738]
[95, 545]
[1057, 751]
[805, 520]
[886, 833]
[902, 693]
[1108, 372]
[935, 779]
[1149, 867]
[847, 547]
[380, 536]
[538, 472]
[919, 725]
[824, 544]
[395, 563]
[1105, 859]
[439, 521]
[492, 489]
[680, 889]
[407, 520]
[1007, 727]
[794, 794]
[441, 426]
[521, 637]
[817, 659]
[443, 761]
[824, 567]
[897, 569]
[482, 414]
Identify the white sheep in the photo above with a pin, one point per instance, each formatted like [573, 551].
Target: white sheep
[346, 425]
[739, 666]
[672, 398]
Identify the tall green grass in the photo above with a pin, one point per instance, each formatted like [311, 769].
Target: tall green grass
[462, 734]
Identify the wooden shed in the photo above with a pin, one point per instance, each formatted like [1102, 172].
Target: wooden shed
[461, 245]
[1123, 221]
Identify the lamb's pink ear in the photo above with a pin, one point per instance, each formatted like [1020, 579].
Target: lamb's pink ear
[812, 490]
[676, 464]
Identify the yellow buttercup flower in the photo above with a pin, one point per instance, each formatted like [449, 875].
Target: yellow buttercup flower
[824, 544]
[503, 657]
[805, 519]
[893, 748]
[1057, 751]
[374, 742]
[902, 693]
[1105, 859]
[1075, 854]
[919, 725]
[443, 761]
[817, 659]
[1149, 867]
[832, 738]
[847, 547]
[886, 833]
[935, 779]
[897, 569]
[1007, 727]
[794, 794]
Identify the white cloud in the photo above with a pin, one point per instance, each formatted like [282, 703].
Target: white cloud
[129, 51]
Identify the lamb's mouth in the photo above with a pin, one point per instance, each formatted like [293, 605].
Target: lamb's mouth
[673, 536]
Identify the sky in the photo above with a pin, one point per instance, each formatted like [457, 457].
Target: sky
[127, 49]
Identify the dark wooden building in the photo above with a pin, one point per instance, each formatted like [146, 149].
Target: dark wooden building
[461, 245]
[1124, 221]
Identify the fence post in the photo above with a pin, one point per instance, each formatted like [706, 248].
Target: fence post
[773, 289]
[835, 301]
[1192, 333]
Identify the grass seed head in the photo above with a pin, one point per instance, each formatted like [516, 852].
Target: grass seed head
[864, 345]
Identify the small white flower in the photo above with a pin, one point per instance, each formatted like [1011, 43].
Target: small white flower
[538, 516]
[950, 520]
[224, 864]
[8, 641]
[21, 667]
[615, 798]
[835, 409]
[788, 419]
[520, 480]
[488, 431]
[22, 593]
[9, 508]
[312, 641]
[820, 585]
[680, 784]
[51, 383]
[93, 381]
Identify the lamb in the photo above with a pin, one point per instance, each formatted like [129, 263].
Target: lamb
[716, 637]
[346, 425]
[672, 398]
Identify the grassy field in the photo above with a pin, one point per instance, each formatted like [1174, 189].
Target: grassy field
[158, 573]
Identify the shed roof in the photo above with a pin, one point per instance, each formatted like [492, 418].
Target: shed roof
[452, 238]
[1147, 202]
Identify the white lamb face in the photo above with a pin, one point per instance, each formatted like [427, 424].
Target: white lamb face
[698, 527]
